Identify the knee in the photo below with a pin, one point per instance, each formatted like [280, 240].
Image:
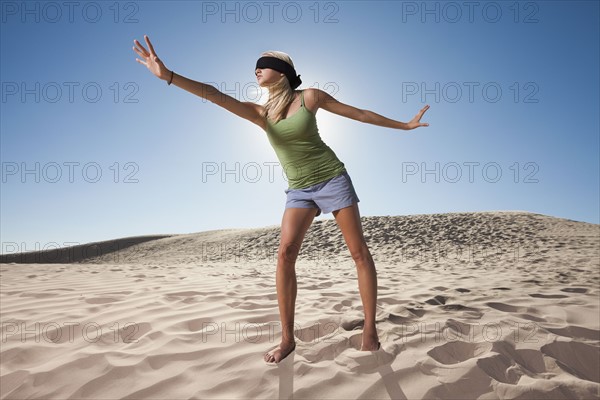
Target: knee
[288, 253]
[360, 253]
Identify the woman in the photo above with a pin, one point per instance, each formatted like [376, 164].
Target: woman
[318, 180]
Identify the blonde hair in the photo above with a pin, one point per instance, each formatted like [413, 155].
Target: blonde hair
[281, 93]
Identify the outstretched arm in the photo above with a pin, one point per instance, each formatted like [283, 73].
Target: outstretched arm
[246, 110]
[325, 101]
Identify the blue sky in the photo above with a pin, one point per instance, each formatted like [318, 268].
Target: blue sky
[95, 147]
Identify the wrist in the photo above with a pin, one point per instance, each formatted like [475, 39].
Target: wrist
[169, 77]
[403, 126]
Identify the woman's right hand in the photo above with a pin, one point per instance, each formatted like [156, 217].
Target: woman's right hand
[151, 60]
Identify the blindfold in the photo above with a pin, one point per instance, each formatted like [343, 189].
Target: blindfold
[280, 66]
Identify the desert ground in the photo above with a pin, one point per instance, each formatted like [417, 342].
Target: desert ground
[480, 305]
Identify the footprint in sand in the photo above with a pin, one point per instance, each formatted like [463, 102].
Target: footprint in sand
[574, 290]
[364, 362]
[500, 368]
[578, 359]
[419, 312]
[323, 341]
[548, 296]
[533, 281]
[457, 307]
[522, 312]
[506, 307]
[576, 332]
[352, 324]
[345, 351]
[460, 328]
[458, 351]
[437, 300]
[343, 305]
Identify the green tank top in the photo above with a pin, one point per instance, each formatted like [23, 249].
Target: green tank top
[304, 157]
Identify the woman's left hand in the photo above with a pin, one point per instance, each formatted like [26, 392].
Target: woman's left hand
[416, 121]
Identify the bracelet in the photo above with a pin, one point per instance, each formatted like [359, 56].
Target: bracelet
[171, 80]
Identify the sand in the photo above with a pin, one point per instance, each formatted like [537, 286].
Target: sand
[482, 305]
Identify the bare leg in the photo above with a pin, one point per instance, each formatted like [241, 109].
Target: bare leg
[294, 225]
[348, 220]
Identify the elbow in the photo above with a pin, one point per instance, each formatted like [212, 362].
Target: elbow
[212, 94]
[362, 116]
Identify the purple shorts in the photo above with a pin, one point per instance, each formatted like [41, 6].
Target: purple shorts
[327, 196]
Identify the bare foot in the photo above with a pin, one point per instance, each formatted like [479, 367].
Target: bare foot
[280, 352]
[371, 347]
[370, 342]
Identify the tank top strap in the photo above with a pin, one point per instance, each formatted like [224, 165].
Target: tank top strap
[302, 98]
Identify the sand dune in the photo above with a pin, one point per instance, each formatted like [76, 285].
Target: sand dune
[482, 305]
[76, 253]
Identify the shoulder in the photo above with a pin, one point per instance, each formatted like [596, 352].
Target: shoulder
[313, 98]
